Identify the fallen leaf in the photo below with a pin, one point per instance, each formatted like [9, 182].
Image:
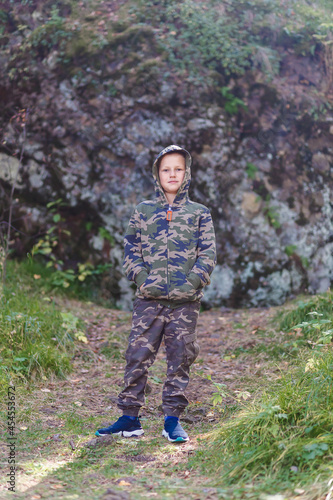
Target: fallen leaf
[78, 403]
[56, 486]
[124, 483]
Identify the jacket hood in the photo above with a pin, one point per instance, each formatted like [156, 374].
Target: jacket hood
[182, 194]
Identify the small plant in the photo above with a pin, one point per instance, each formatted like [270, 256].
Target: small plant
[251, 170]
[71, 324]
[272, 216]
[59, 276]
[290, 250]
[104, 233]
[53, 34]
[222, 393]
[232, 105]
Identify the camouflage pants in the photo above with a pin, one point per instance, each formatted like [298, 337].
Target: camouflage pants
[151, 321]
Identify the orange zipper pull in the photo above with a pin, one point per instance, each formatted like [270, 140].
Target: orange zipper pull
[169, 215]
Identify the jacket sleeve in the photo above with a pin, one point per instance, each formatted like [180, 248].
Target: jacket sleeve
[206, 253]
[133, 264]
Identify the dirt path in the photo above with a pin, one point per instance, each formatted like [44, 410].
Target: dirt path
[59, 456]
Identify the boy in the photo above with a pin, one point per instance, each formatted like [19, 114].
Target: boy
[169, 254]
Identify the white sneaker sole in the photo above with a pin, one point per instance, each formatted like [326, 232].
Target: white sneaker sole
[126, 434]
[129, 434]
[178, 440]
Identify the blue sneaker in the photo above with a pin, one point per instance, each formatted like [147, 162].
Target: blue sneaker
[173, 431]
[125, 426]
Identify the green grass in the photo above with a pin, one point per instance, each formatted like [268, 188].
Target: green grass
[279, 441]
[313, 311]
[284, 438]
[308, 324]
[36, 339]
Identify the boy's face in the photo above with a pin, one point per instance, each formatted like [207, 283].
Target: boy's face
[172, 172]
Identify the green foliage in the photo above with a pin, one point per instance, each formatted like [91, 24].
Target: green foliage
[199, 40]
[284, 437]
[290, 250]
[55, 277]
[272, 216]
[72, 324]
[104, 233]
[318, 310]
[132, 35]
[232, 103]
[59, 276]
[195, 37]
[308, 25]
[309, 325]
[222, 392]
[3, 20]
[318, 110]
[287, 430]
[51, 35]
[231, 37]
[219, 394]
[251, 170]
[35, 340]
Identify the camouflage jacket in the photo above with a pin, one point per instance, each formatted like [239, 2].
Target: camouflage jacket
[172, 259]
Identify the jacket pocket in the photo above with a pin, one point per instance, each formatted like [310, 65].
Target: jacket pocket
[191, 348]
[154, 287]
[183, 292]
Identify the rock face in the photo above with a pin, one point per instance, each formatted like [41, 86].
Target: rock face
[93, 131]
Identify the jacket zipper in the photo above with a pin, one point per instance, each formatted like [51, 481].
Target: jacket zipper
[169, 219]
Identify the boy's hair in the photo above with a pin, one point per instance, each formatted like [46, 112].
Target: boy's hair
[182, 153]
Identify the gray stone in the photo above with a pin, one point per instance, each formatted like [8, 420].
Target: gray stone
[167, 90]
[274, 290]
[199, 124]
[220, 288]
[52, 60]
[127, 295]
[321, 270]
[37, 174]
[10, 169]
[322, 163]
[97, 242]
